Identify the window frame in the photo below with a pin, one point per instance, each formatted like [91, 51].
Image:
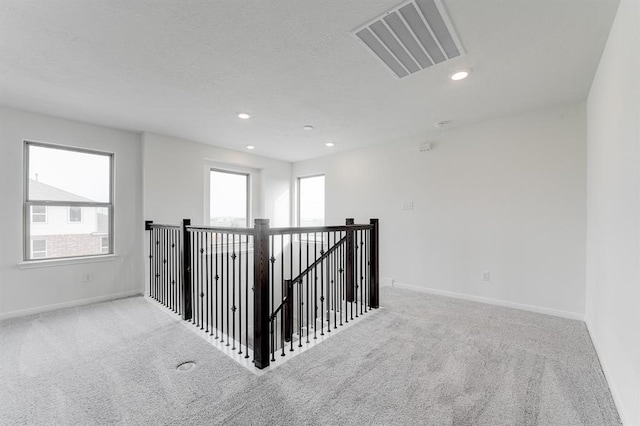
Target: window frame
[247, 174]
[299, 198]
[28, 203]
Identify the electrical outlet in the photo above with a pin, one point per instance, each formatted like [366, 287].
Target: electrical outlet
[485, 276]
[87, 278]
[407, 205]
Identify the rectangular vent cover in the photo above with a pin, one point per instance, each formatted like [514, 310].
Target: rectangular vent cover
[413, 36]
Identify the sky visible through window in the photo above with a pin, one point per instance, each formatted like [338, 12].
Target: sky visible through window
[79, 173]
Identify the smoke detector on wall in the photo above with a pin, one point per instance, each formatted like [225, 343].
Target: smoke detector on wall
[411, 37]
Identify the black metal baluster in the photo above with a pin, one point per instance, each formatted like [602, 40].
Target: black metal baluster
[315, 285]
[170, 270]
[216, 279]
[198, 259]
[324, 265]
[240, 294]
[360, 269]
[300, 299]
[194, 281]
[246, 301]
[207, 257]
[367, 249]
[210, 295]
[283, 294]
[233, 288]
[156, 243]
[150, 228]
[307, 288]
[272, 260]
[194, 278]
[292, 284]
[333, 283]
[161, 264]
[167, 267]
[228, 291]
[355, 270]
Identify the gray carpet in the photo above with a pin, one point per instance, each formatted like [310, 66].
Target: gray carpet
[422, 359]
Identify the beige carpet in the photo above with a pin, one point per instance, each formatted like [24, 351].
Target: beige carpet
[423, 359]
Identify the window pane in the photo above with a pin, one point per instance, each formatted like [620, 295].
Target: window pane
[228, 199]
[38, 214]
[38, 249]
[67, 239]
[75, 214]
[104, 245]
[311, 202]
[63, 175]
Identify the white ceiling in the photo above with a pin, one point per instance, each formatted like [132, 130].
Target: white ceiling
[187, 67]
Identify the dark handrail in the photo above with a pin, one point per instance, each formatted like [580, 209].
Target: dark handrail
[228, 230]
[318, 261]
[302, 274]
[149, 225]
[312, 229]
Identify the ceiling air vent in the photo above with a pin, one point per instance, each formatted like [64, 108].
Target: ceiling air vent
[413, 36]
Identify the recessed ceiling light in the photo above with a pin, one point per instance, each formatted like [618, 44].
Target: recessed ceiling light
[308, 127]
[250, 147]
[440, 124]
[244, 115]
[329, 144]
[459, 75]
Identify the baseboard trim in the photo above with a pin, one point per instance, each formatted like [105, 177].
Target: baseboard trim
[607, 375]
[70, 304]
[491, 301]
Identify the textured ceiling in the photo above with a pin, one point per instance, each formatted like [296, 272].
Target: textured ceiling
[187, 67]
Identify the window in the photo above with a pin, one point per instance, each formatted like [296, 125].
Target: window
[228, 199]
[311, 201]
[68, 194]
[38, 249]
[104, 245]
[38, 214]
[75, 214]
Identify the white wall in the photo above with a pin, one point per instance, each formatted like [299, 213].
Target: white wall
[174, 180]
[613, 219]
[504, 196]
[36, 289]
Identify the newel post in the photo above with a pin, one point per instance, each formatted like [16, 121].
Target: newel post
[350, 269]
[185, 270]
[147, 227]
[374, 268]
[261, 293]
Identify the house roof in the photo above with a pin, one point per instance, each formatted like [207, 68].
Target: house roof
[42, 191]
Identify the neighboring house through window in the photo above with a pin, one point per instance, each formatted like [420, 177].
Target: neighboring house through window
[68, 202]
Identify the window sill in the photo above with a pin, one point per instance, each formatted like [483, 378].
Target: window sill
[31, 264]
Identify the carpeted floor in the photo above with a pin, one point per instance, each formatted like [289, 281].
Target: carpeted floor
[422, 359]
